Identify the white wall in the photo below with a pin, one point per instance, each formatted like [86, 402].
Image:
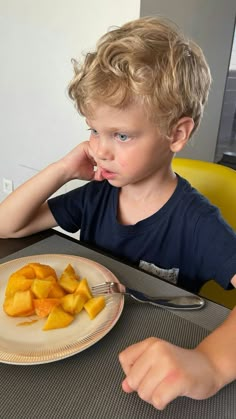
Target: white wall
[211, 24]
[232, 64]
[38, 39]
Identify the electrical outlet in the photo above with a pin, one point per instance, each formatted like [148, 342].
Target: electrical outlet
[7, 186]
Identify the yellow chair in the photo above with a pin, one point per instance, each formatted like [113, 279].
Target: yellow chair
[218, 184]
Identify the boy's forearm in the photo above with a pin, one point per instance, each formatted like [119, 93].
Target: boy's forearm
[220, 347]
[19, 208]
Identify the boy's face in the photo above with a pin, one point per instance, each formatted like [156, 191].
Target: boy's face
[127, 147]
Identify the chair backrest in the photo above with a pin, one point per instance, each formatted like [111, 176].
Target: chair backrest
[216, 182]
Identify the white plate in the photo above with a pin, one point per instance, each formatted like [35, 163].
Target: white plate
[27, 345]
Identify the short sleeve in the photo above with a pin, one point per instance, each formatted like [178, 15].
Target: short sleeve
[215, 246]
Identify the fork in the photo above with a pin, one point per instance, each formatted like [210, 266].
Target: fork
[188, 302]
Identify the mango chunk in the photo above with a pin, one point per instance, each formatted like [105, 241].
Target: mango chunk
[8, 306]
[20, 304]
[43, 271]
[27, 271]
[17, 283]
[10, 310]
[41, 287]
[49, 278]
[94, 306]
[69, 271]
[56, 291]
[68, 279]
[57, 319]
[44, 306]
[73, 303]
[84, 289]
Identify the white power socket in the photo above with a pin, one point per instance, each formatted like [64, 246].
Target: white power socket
[7, 186]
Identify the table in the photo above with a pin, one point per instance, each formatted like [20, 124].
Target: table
[88, 385]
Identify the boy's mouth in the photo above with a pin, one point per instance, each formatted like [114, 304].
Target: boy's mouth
[106, 174]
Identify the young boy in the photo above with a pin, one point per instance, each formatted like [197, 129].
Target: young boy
[142, 92]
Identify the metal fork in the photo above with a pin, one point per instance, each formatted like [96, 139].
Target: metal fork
[188, 302]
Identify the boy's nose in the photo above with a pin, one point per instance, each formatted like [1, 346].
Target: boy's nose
[104, 149]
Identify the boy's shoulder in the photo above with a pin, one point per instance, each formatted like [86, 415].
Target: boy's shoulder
[188, 199]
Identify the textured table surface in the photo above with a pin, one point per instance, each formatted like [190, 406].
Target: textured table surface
[88, 385]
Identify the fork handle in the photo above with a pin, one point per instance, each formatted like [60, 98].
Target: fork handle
[188, 302]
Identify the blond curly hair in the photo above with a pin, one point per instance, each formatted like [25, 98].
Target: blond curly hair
[147, 61]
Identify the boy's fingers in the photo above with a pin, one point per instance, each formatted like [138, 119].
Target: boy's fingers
[157, 386]
[167, 391]
[126, 387]
[98, 174]
[128, 357]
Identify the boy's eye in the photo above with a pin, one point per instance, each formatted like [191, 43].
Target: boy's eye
[122, 137]
[93, 131]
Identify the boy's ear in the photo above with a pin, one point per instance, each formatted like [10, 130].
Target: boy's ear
[181, 133]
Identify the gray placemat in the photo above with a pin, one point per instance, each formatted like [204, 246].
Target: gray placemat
[88, 385]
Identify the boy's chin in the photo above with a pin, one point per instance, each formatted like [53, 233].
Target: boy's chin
[114, 182]
[117, 183]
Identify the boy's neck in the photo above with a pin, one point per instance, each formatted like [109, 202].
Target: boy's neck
[137, 202]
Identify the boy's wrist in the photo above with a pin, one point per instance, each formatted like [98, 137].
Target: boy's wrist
[221, 371]
[61, 171]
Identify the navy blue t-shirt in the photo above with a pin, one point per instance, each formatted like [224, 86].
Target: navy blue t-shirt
[187, 238]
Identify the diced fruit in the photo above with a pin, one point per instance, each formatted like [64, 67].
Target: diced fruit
[27, 271]
[35, 289]
[49, 278]
[17, 283]
[94, 306]
[69, 271]
[68, 279]
[21, 304]
[84, 289]
[73, 303]
[57, 319]
[10, 310]
[43, 271]
[41, 288]
[44, 306]
[8, 306]
[56, 291]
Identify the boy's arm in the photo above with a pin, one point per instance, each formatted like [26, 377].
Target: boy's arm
[26, 211]
[233, 281]
[160, 371]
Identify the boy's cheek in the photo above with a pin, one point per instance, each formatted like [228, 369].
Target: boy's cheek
[93, 148]
[123, 162]
[93, 141]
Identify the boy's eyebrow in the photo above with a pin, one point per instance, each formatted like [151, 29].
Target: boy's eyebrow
[114, 129]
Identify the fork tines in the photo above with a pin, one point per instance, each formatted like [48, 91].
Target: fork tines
[103, 288]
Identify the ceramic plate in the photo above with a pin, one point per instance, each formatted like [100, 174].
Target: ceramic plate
[28, 344]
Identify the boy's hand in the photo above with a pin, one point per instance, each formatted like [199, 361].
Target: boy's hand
[80, 163]
[160, 372]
